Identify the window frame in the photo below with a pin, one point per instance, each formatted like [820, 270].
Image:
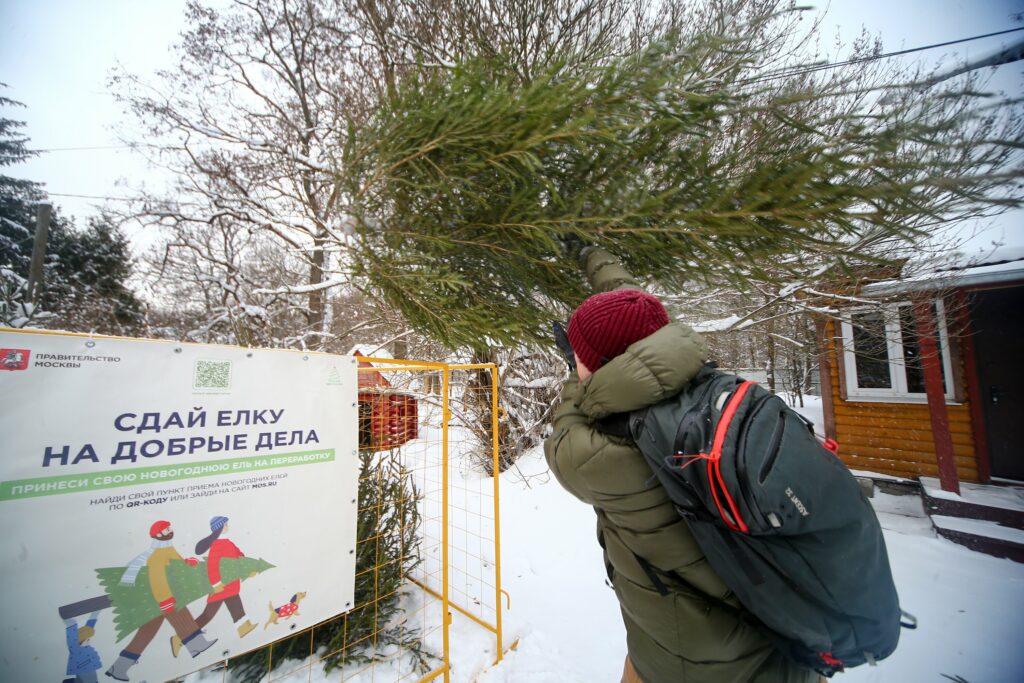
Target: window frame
[895, 359]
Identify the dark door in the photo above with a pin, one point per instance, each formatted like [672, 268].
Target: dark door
[997, 319]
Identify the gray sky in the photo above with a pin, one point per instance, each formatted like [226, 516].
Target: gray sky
[56, 56]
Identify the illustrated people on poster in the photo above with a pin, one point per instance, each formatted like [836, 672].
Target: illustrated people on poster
[156, 558]
[219, 548]
[83, 660]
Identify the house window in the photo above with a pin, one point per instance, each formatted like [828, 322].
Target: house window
[882, 353]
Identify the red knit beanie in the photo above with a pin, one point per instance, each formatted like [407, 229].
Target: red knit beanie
[606, 324]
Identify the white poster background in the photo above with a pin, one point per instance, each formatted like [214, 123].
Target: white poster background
[291, 499]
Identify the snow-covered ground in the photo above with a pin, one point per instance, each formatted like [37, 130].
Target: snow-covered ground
[970, 606]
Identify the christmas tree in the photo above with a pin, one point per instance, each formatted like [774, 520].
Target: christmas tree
[689, 160]
[387, 552]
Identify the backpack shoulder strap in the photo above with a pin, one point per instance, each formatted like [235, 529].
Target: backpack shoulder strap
[616, 424]
[707, 371]
[655, 574]
[625, 425]
[742, 615]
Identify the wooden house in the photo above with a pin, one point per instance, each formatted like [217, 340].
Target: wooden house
[387, 418]
[929, 379]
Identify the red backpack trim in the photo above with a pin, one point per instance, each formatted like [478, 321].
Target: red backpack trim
[714, 458]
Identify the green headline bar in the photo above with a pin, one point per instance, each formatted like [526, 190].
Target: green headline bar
[142, 476]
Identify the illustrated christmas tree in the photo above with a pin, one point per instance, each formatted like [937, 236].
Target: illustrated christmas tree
[134, 604]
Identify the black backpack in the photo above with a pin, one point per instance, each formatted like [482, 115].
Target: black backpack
[778, 516]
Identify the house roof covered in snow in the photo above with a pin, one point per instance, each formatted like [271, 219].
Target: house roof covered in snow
[992, 267]
[370, 380]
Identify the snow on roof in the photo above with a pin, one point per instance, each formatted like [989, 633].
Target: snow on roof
[371, 350]
[719, 325]
[370, 380]
[991, 266]
[1003, 257]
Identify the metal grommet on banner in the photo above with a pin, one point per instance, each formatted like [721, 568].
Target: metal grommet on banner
[177, 350]
[90, 344]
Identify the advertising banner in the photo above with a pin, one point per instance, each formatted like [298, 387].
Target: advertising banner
[164, 506]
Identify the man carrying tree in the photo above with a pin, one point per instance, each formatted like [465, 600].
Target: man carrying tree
[156, 560]
[629, 355]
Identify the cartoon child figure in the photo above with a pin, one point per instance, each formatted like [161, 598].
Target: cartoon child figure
[219, 548]
[83, 660]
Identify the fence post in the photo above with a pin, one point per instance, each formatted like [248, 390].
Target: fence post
[445, 578]
[496, 454]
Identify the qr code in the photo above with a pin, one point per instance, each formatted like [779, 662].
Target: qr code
[212, 374]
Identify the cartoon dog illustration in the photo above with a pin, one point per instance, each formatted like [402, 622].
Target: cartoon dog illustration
[289, 609]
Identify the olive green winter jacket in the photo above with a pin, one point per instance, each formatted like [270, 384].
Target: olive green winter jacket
[679, 637]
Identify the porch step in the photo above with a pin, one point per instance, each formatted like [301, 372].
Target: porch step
[988, 519]
[982, 536]
[1001, 504]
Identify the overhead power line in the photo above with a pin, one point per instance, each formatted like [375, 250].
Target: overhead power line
[91, 196]
[155, 200]
[799, 71]
[1014, 53]
[101, 147]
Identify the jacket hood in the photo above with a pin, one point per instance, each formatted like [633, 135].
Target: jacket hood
[649, 371]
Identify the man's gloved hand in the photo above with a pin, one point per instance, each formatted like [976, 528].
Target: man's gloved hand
[167, 606]
[572, 244]
[581, 257]
[562, 342]
[576, 248]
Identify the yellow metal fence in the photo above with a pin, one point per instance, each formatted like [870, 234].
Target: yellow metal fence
[428, 569]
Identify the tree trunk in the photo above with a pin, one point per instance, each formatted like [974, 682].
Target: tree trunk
[315, 316]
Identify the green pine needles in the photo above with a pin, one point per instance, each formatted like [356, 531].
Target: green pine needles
[681, 159]
[387, 551]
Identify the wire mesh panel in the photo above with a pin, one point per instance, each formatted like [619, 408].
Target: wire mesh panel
[474, 540]
[427, 539]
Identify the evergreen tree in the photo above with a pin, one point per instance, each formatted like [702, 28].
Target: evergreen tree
[85, 272]
[17, 196]
[695, 158]
[86, 280]
[387, 552]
